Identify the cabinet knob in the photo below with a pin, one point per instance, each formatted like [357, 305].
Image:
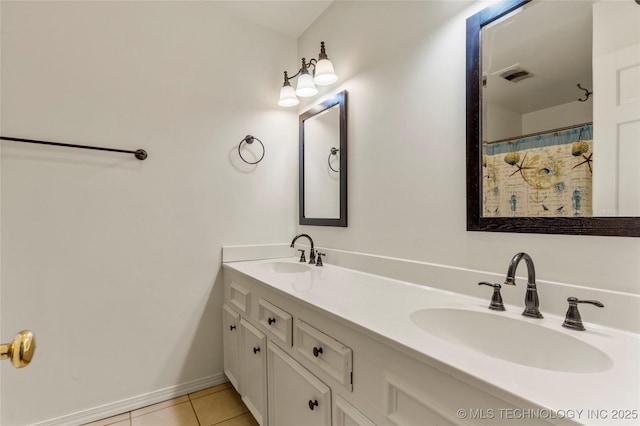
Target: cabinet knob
[317, 352]
[313, 404]
[232, 327]
[256, 350]
[271, 320]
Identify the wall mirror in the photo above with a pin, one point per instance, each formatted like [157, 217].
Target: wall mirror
[553, 119]
[323, 163]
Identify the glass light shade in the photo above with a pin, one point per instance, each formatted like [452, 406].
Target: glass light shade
[306, 87]
[288, 97]
[324, 73]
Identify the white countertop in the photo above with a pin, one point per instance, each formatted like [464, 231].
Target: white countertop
[383, 306]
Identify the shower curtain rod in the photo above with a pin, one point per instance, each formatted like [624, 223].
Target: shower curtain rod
[140, 154]
[559, 129]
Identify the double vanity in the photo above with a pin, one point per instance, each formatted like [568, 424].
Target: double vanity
[327, 345]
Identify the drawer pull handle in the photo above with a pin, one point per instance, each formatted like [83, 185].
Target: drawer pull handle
[313, 404]
[271, 320]
[232, 327]
[256, 350]
[317, 352]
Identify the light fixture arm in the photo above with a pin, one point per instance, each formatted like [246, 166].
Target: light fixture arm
[305, 66]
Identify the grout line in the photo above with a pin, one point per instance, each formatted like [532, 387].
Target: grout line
[194, 411]
[212, 393]
[231, 418]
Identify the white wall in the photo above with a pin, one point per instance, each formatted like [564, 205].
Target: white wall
[113, 262]
[504, 123]
[501, 123]
[405, 73]
[558, 116]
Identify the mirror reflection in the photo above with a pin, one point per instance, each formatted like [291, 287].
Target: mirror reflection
[323, 164]
[543, 154]
[537, 124]
[553, 118]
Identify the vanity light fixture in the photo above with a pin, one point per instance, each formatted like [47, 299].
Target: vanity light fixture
[323, 75]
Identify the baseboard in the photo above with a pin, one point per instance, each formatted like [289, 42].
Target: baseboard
[133, 403]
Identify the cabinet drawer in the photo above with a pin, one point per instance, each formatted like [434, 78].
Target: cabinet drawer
[275, 321]
[324, 351]
[240, 298]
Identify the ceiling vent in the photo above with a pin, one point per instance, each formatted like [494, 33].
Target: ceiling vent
[515, 74]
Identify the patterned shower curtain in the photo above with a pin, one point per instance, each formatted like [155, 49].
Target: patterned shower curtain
[548, 174]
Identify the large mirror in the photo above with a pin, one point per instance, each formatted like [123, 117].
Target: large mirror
[553, 118]
[323, 163]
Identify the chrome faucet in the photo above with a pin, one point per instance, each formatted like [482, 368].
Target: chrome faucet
[312, 255]
[531, 302]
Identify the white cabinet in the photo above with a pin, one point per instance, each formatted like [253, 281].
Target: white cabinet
[296, 397]
[321, 370]
[254, 376]
[231, 342]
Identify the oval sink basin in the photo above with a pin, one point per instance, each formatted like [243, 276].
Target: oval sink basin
[512, 340]
[287, 267]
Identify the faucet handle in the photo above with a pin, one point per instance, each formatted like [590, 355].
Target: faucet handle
[496, 299]
[302, 258]
[573, 320]
[319, 259]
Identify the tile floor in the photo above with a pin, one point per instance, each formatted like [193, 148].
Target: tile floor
[220, 406]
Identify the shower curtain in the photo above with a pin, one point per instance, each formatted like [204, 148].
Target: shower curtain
[547, 174]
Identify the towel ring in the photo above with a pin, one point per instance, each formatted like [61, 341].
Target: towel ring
[249, 140]
[334, 151]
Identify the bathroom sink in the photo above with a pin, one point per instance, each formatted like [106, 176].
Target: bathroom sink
[514, 340]
[287, 267]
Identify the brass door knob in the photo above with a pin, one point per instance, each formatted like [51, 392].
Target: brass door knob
[20, 350]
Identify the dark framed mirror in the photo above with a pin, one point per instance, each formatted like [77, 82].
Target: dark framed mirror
[323, 163]
[509, 156]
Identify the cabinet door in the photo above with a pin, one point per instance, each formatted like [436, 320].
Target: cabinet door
[254, 388]
[296, 397]
[231, 342]
[347, 415]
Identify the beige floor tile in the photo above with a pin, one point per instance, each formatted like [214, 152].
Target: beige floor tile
[175, 415]
[159, 406]
[217, 407]
[121, 419]
[209, 391]
[243, 420]
[122, 423]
